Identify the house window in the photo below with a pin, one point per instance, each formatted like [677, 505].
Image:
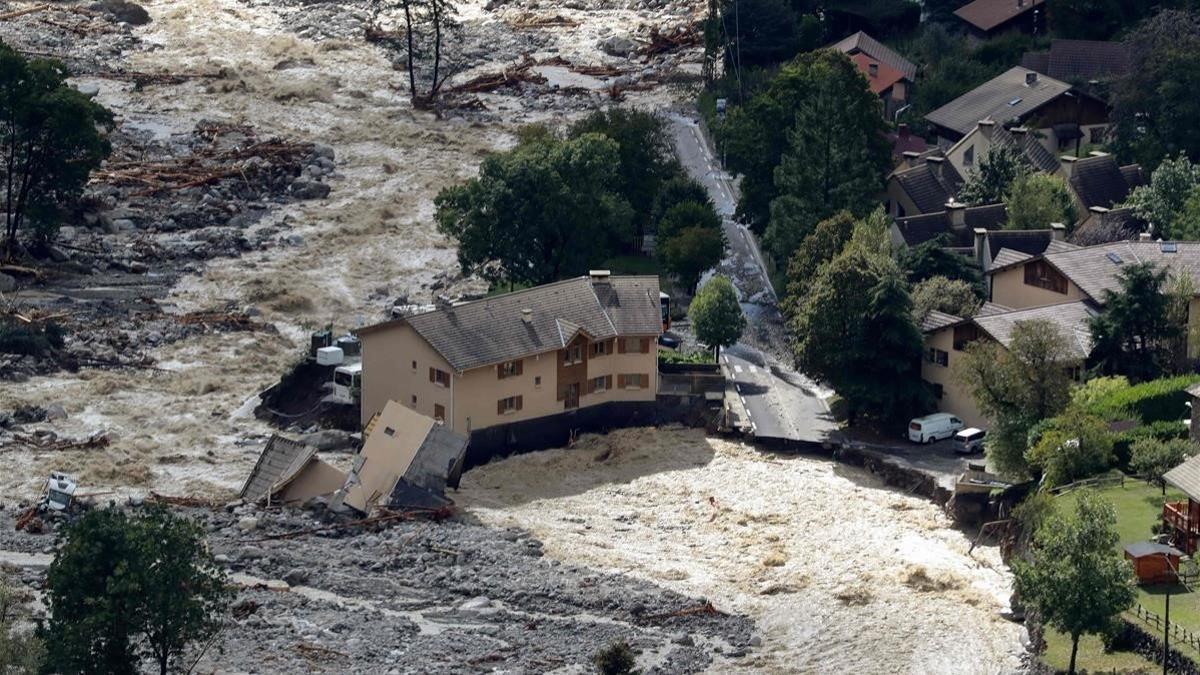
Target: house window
[938, 390]
[1039, 273]
[599, 348]
[414, 366]
[439, 412]
[389, 431]
[599, 384]
[508, 406]
[574, 355]
[414, 401]
[634, 381]
[631, 344]
[510, 369]
[1075, 373]
[969, 156]
[965, 335]
[937, 357]
[537, 381]
[439, 377]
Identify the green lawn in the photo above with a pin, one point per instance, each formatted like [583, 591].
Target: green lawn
[1092, 656]
[1139, 507]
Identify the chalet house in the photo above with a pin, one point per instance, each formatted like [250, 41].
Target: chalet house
[1105, 226]
[1056, 113]
[988, 18]
[947, 336]
[955, 222]
[1084, 274]
[1081, 61]
[966, 154]
[923, 183]
[889, 75]
[523, 369]
[1099, 181]
[996, 248]
[1182, 518]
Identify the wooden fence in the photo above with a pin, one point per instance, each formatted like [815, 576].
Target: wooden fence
[1098, 481]
[1178, 635]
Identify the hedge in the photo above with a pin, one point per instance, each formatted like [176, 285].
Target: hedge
[1161, 430]
[1153, 401]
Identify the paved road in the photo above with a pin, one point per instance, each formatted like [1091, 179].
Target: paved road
[778, 402]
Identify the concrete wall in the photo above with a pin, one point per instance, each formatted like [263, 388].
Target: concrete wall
[388, 373]
[1009, 289]
[955, 398]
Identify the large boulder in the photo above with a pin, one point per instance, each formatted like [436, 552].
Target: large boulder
[617, 45]
[124, 11]
[7, 284]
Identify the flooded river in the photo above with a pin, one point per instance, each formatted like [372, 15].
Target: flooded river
[842, 574]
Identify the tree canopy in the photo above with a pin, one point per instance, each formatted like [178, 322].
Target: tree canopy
[693, 251]
[989, 183]
[1072, 446]
[1076, 579]
[1151, 458]
[50, 141]
[952, 296]
[1163, 202]
[1035, 200]
[934, 258]
[716, 315]
[818, 248]
[1133, 334]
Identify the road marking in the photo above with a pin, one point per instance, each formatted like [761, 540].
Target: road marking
[749, 415]
[737, 369]
[743, 399]
[753, 428]
[753, 369]
[738, 387]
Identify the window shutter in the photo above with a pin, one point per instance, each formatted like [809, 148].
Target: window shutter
[500, 371]
[432, 374]
[621, 346]
[520, 366]
[591, 386]
[645, 345]
[520, 402]
[500, 407]
[645, 380]
[608, 381]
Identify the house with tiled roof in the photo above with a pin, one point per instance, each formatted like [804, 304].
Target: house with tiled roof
[1055, 112]
[988, 18]
[1080, 61]
[946, 338]
[966, 154]
[922, 183]
[956, 224]
[889, 75]
[523, 368]
[1098, 180]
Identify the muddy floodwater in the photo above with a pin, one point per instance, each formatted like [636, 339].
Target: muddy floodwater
[842, 574]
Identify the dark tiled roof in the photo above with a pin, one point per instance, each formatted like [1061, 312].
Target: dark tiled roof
[1080, 60]
[437, 464]
[1002, 98]
[925, 187]
[1133, 174]
[1027, 146]
[936, 320]
[1099, 181]
[1095, 269]
[492, 330]
[988, 14]
[861, 42]
[920, 229]
[1071, 319]
[1029, 242]
[281, 460]
[1107, 227]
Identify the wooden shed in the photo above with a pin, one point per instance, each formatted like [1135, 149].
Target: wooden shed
[1154, 563]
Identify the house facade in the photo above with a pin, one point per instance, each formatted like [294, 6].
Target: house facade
[511, 369]
[889, 75]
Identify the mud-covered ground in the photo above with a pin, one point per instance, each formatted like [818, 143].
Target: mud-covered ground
[426, 597]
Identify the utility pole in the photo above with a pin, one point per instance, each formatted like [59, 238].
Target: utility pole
[1166, 628]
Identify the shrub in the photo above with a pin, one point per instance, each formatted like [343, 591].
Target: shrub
[615, 659]
[30, 339]
[1160, 431]
[1153, 401]
[703, 356]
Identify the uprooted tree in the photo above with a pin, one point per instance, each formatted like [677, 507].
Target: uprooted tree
[426, 30]
[51, 138]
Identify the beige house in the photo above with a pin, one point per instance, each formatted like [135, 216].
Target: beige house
[947, 336]
[511, 369]
[1086, 273]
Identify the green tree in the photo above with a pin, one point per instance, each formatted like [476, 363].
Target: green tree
[844, 139]
[1154, 109]
[543, 211]
[935, 259]
[1075, 579]
[1152, 458]
[676, 190]
[1162, 202]
[1132, 335]
[123, 587]
[686, 215]
[50, 141]
[826, 241]
[1087, 19]
[854, 329]
[952, 296]
[999, 167]
[1088, 394]
[645, 150]
[21, 652]
[716, 315]
[1035, 200]
[691, 252]
[1017, 386]
[836, 155]
[1072, 446]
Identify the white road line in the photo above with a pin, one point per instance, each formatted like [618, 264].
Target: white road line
[743, 400]
[749, 415]
[753, 428]
[738, 387]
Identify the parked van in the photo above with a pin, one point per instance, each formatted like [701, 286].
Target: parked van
[933, 427]
[969, 441]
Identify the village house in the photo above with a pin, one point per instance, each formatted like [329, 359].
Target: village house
[1057, 114]
[989, 18]
[1098, 181]
[922, 183]
[1182, 518]
[1080, 61]
[889, 75]
[946, 338]
[966, 154]
[956, 223]
[527, 368]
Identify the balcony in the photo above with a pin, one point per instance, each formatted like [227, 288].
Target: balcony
[1175, 515]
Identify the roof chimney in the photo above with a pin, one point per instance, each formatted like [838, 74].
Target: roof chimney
[1144, 236]
[1018, 131]
[1058, 231]
[1068, 165]
[1030, 77]
[937, 164]
[956, 213]
[910, 158]
[980, 238]
[873, 69]
[527, 315]
[600, 276]
[902, 130]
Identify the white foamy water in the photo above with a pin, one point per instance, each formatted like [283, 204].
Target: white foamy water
[841, 574]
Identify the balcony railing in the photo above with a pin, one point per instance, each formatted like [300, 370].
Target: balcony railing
[1175, 514]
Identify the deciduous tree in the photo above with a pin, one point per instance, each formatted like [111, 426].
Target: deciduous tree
[1035, 200]
[1162, 202]
[826, 241]
[990, 181]
[50, 140]
[1152, 458]
[676, 190]
[1132, 335]
[952, 296]
[428, 41]
[21, 652]
[1073, 446]
[1075, 579]
[716, 315]
[693, 251]
[935, 259]
[685, 215]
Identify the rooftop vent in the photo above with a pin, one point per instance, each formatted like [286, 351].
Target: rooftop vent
[1168, 247]
[599, 275]
[1114, 258]
[527, 315]
[1015, 101]
[1030, 79]
[873, 69]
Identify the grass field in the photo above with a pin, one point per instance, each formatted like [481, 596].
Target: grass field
[1139, 508]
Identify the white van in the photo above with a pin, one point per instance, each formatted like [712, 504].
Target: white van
[969, 441]
[933, 427]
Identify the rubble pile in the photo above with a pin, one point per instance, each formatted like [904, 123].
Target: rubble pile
[430, 597]
[89, 37]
